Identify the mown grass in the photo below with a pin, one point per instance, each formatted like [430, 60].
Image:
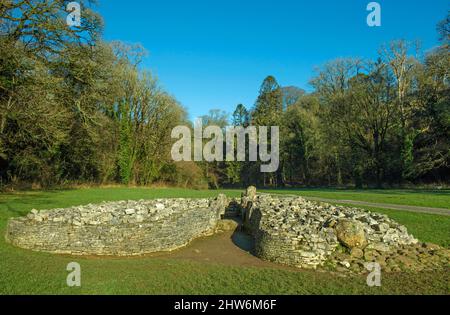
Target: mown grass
[33, 273]
[26, 272]
[409, 197]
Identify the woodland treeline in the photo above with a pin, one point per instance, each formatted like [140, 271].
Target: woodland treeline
[75, 109]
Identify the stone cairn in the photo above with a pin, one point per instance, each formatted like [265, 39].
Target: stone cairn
[306, 234]
[286, 230]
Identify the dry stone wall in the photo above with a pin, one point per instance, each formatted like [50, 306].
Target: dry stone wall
[117, 228]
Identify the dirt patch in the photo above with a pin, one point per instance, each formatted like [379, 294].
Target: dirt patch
[227, 248]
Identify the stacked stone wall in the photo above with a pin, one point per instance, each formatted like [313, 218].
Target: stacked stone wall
[117, 228]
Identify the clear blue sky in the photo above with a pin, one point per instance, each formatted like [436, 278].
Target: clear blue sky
[215, 53]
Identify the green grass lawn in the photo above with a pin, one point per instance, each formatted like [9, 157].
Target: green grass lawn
[420, 198]
[26, 272]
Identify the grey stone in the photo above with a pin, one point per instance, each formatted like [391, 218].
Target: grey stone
[380, 247]
[381, 227]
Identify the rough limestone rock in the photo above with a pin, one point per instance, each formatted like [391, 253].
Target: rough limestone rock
[357, 253]
[247, 200]
[351, 233]
[221, 204]
[227, 225]
[248, 197]
[251, 192]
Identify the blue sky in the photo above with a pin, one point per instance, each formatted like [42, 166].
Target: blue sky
[215, 53]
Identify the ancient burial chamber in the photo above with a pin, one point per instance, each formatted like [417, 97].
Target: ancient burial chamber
[125, 228]
[286, 230]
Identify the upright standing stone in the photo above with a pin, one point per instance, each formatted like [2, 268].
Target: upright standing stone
[220, 204]
[247, 200]
[248, 197]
